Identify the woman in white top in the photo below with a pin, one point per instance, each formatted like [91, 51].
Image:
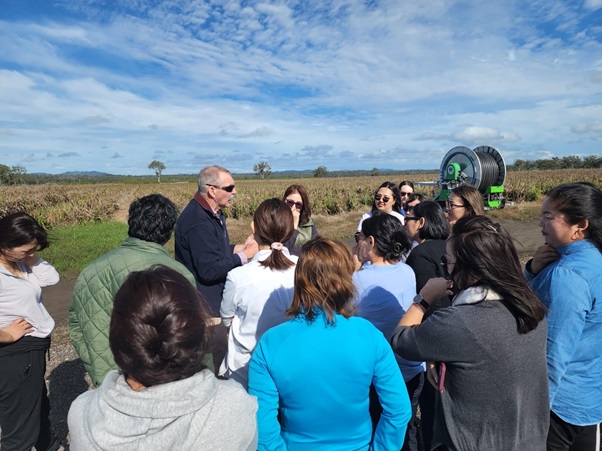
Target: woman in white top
[388, 200]
[25, 328]
[257, 294]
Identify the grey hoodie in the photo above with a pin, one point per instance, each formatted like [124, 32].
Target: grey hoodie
[200, 412]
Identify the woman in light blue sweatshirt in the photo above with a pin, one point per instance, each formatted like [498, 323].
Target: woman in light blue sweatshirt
[571, 289]
[312, 374]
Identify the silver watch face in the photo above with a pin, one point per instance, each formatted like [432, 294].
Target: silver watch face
[417, 299]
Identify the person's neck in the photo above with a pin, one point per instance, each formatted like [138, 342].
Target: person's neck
[376, 260]
[134, 384]
[264, 247]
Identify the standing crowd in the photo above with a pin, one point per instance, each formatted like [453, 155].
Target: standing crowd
[427, 335]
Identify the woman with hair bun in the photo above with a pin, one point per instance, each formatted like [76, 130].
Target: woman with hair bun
[257, 294]
[163, 397]
[385, 290]
[312, 374]
[571, 289]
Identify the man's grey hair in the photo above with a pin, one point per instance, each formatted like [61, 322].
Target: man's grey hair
[210, 176]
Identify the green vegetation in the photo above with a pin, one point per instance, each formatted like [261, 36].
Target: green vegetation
[72, 248]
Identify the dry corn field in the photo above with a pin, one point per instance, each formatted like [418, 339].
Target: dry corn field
[62, 205]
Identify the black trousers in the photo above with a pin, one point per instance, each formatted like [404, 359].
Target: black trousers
[563, 436]
[413, 441]
[24, 404]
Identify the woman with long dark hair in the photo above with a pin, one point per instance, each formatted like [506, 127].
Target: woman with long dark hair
[312, 374]
[571, 289]
[25, 328]
[304, 228]
[427, 225]
[257, 294]
[387, 200]
[490, 345]
[163, 397]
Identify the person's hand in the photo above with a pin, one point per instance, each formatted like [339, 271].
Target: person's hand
[250, 248]
[296, 216]
[436, 288]
[32, 260]
[15, 330]
[544, 255]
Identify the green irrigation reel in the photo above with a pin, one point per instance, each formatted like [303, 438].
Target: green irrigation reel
[483, 168]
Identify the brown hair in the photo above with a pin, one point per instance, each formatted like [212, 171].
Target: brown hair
[485, 252]
[273, 222]
[157, 331]
[323, 280]
[306, 210]
[472, 199]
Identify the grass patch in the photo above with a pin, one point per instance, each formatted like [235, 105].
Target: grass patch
[523, 211]
[72, 248]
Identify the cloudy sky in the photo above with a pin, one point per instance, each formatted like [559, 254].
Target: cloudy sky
[112, 85]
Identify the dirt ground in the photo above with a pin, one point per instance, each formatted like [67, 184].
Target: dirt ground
[527, 238]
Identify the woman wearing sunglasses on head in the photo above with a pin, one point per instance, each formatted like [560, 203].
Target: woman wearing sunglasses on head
[571, 288]
[297, 199]
[493, 384]
[464, 201]
[386, 200]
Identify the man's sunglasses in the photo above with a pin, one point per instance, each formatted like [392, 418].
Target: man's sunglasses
[228, 188]
[292, 203]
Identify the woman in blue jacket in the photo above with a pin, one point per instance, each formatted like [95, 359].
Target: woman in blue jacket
[571, 289]
[312, 374]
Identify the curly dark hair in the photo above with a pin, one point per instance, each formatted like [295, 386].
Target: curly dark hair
[152, 218]
[157, 332]
[389, 234]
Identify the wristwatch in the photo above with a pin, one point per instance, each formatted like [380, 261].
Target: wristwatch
[418, 299]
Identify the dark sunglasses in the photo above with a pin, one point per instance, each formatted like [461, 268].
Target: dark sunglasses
[228, 188]
[292, 203]
[405, 194]
[384, 198]
[412, 218]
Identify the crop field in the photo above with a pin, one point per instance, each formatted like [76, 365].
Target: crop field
[63, 205]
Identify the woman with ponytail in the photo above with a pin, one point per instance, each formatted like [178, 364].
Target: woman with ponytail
[385, 290]
[257, 294]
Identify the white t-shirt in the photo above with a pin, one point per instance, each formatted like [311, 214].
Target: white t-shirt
[254, 300]
[22, 298]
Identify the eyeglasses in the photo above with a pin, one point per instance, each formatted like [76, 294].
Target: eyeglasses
[412, 218]
[385, 199]
[228, 188]
[451, 206]
[405, 194]
[291, 203]
[359, 236]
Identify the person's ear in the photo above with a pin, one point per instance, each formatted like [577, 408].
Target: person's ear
[253, 227]
[421, 222]
[580, 229]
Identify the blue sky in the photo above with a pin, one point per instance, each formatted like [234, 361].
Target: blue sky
[112, 85]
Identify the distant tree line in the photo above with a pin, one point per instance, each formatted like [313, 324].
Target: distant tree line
[14, 175]
[568, 162]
